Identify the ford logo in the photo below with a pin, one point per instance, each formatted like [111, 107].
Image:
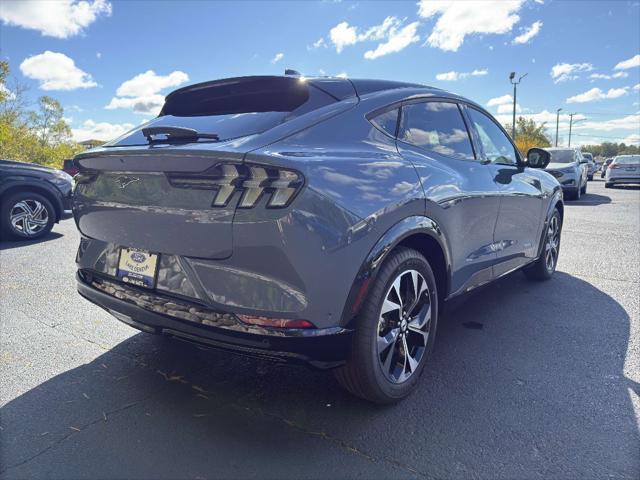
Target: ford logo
[138, 257]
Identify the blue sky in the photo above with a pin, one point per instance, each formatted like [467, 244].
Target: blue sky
[111, 62]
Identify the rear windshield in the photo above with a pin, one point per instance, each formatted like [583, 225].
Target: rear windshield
[562, 156]
[628, 160]
[587, 155]
[234, 108]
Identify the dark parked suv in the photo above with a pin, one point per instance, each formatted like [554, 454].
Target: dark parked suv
[318, 220]
[32, 199]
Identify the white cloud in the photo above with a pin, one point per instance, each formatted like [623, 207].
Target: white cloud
[60, 19]
[529, 33]
[633, 139]
[55, 71]
[343, 35]
[342, 75]
[393, 35]
[454, 76]
[277, 58]
[504, 99]
[142, 92]
[542, 117]
[318, 44]
[91, 130]
[448, 76]
[636, 87]
[6, 93]
[397, 40]
[562, 72]
[604, 76]
[149, 82]
[461, 18]
[629, 63]
[628, 122]
[147, 104]
[595, 94]
[508, 108]
[98, 55]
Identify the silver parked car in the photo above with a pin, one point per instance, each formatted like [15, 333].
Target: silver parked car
[624, 169]
[570, 169]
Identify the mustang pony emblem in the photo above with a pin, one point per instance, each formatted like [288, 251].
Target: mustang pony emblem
[125, 180]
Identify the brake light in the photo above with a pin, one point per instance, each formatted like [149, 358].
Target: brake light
[275, 322]
[251, 181]
[613, 165]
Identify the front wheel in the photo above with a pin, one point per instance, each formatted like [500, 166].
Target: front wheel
[395, 330]
[545, 265]
[26, 215]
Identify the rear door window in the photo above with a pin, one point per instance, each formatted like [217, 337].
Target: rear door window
[436, 126]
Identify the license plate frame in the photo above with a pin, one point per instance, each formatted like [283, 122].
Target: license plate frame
[138, 267]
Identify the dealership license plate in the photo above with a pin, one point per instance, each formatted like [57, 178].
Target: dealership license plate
[138, 267]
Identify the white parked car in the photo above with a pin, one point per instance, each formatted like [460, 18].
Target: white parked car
[624, 169]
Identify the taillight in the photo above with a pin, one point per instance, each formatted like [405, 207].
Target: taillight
[613, 165]
[250, 181]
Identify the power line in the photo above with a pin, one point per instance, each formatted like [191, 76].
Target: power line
[598, 136]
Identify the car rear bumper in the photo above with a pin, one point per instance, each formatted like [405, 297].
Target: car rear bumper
[151, 312]
[626, 180]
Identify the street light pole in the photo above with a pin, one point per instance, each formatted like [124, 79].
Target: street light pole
[513, 125]
[570, 125]
[557, 124]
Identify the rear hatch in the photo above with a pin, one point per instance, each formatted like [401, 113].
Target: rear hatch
[157, 192]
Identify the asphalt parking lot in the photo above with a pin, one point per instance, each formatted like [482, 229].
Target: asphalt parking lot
[528, 380]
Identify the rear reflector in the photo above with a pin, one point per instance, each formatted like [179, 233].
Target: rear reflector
[275, 322]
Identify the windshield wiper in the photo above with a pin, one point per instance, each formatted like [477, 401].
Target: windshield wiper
[172, 134]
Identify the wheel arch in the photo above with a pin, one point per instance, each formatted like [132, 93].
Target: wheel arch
[556, 203]
[17, 187]
[418, 232]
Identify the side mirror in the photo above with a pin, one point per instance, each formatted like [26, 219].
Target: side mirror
[538, 158]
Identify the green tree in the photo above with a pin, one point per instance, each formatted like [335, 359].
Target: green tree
[48, 122]
[40, 136]
[530, 134]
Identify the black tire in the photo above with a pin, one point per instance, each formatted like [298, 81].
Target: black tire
[10, 204]
[363, 374]
[583, 190]
[539, 270]
[590, 177]
[608, 185]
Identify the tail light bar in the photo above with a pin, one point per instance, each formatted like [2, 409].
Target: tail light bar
[613, 165]
[251, 181]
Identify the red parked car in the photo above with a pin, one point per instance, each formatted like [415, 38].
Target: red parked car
[69, 167]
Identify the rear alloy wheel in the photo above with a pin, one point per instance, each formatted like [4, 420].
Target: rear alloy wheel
[395, 330]
[403, 327]
[27, 215]
[543, 268]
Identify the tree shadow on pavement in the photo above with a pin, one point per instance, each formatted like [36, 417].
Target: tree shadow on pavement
[537, 390]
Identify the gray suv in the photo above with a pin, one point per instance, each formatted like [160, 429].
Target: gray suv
[571, 169]
[317, 220]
